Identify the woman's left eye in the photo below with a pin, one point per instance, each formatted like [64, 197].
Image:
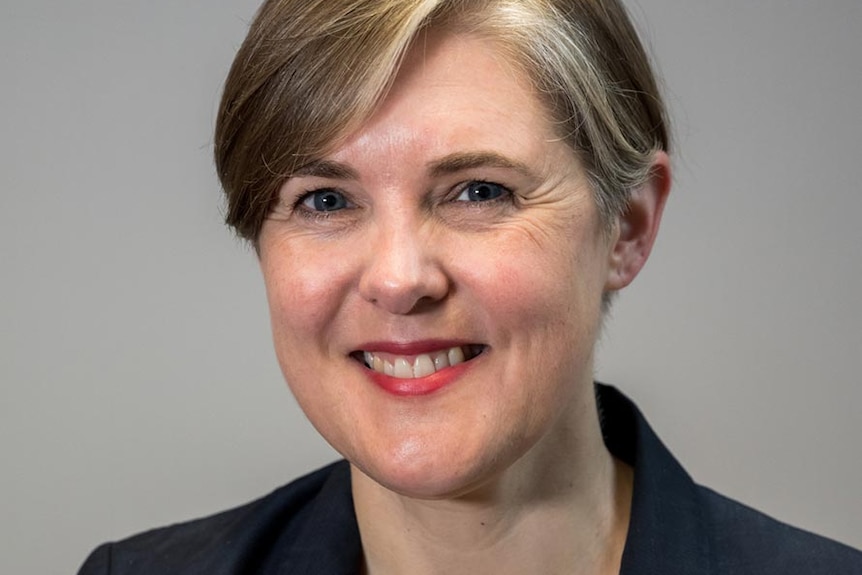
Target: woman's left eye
[481, 192]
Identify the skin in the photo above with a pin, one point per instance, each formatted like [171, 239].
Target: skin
[503, 469]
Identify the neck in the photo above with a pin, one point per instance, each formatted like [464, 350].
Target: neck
[563, 508]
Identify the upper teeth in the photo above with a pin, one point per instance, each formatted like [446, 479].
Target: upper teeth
[419, 366]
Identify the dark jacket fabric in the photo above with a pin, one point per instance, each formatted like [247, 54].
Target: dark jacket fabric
[308, 526]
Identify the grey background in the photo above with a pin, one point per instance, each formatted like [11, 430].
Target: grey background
[138, 382]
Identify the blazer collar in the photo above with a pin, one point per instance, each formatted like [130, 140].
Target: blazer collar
[329, 542]
[667, 532]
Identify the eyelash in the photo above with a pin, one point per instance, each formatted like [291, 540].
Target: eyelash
[506, 195]
[298, 205]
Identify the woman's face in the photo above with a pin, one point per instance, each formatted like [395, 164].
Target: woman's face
[435, 283]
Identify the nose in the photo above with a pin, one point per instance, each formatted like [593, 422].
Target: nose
[403, 274]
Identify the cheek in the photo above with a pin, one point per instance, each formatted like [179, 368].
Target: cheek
[553, 285]
[543, 304]
[304, 293]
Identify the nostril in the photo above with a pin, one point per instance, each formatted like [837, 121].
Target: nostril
[426, 304]
[409, 293]
[403, 273]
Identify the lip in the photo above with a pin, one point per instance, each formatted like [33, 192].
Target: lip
[412, 347]
[416, 386]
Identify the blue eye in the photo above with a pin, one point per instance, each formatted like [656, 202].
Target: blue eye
[325, 201]
[481, 192]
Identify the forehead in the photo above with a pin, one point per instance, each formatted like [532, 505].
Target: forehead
[456, 91]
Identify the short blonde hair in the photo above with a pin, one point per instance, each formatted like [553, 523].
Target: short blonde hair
[310, 72]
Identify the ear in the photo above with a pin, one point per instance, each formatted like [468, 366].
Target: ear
[637, 228]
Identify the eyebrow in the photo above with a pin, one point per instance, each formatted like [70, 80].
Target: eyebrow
[469, 160]
[446, 165]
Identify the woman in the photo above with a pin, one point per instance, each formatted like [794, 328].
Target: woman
[444, 197]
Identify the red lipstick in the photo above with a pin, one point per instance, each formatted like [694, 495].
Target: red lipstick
[418, 386]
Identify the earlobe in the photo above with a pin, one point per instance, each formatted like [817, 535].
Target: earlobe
[637, 228]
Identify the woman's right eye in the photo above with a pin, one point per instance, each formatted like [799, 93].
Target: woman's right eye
[327, 200]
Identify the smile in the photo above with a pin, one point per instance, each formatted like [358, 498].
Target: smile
[421, 365]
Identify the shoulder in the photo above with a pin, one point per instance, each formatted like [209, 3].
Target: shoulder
[680, 527]
[243, 539]
[747, 541]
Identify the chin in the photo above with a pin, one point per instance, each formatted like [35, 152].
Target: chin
[428, 486]
[430, 477]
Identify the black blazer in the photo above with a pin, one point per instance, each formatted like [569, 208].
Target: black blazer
[308, 526]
